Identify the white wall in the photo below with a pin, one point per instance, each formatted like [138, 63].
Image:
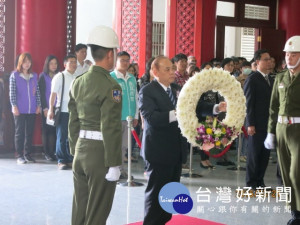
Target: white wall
[159, 10]
[232, 45]
[91, 13]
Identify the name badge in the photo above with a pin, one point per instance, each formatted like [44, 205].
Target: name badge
[281, 85]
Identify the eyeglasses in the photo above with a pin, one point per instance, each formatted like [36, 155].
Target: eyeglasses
[124, 60]
[266, 59]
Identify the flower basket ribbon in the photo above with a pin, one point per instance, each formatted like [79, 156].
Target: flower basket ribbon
[223, 152]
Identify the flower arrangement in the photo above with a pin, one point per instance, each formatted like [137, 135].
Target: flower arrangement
[214, 134]
[227, 85]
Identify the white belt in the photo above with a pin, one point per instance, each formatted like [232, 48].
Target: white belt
[90, 134]
[288, 120]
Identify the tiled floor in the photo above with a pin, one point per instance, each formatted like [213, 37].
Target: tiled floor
[38, 194]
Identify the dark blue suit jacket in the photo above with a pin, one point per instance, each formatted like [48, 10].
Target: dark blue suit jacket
[258, 95]
[162, 141]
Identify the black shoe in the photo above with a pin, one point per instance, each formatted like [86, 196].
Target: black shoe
[295, 214]
[230, 163]
[263, 187]
[204, 167]
[294, 221]
[21, 160]
[222, 163]
[212, 167]
[29, 159]
[50, 157]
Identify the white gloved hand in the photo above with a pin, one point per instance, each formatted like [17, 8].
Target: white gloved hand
[270, 141]
[113, 174]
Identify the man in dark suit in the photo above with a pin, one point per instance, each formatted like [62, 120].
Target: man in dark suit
[162, 141]
[258, 88]
[163, 147]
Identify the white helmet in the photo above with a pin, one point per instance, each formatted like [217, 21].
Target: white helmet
[103, 36]
[292, 44]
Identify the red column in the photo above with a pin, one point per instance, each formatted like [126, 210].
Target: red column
[190, 28]
[41, 30]
[208, 29]
[145, 34]
[171, 28]
[198, 31]
[133, 25]
[289, 17]
[117, 23]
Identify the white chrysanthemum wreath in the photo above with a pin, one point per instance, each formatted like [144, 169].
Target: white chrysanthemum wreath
[216, 80]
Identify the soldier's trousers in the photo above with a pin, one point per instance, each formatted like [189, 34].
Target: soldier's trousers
[93, 194]
[288, 149]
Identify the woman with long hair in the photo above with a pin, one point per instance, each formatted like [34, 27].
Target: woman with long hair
[51, 67]
[25, 101]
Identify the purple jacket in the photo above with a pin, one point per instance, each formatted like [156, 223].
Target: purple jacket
[24, 93]
[45, 89]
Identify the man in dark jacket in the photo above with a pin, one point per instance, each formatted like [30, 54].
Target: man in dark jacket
[258, 88]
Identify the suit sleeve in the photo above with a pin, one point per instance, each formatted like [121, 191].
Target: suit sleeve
[74, 125]
[204, 109]
[111, 128]
[149, 110]
[249, 90]
[274, 108]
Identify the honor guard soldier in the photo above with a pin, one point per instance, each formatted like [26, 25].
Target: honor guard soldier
[95, 132]
[284, 124]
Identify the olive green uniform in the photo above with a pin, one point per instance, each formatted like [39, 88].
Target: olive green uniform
[285, 101]
[95, 105]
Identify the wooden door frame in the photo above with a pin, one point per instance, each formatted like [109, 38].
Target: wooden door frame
[239, 21]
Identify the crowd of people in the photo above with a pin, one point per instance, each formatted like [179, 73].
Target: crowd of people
[31, 94]
[95, 103]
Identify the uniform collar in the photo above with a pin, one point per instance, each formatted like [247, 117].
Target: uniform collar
[120, 75]
[98, 69]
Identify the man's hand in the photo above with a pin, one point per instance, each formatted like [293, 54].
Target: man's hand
[113, 174]
[135, 122]
[15, 111]
[50, 114]
[222, 106]
[251, 130]
[270, 141]
[38, 110]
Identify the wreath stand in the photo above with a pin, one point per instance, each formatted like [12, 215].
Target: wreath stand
[238, 167]
[190, 174]
[130, 182]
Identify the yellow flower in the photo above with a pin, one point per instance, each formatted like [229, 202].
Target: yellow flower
[223, 130]
[208, 130]
[218, 143]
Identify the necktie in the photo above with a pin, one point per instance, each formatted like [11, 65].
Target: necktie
[171, 96]
[267, 79]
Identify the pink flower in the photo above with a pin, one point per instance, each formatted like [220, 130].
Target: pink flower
[224, 141]
[207, 146]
